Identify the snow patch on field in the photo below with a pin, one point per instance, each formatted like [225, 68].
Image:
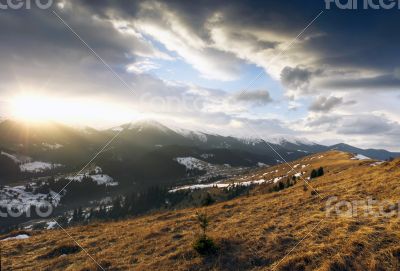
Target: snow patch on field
[211, 172]
[18, 159]
[98, 170]
[377, 163]
[12, 157]
[18, 237]
[38, 166]
[360, 157]
[51, 225]
[99, 178]
[277, 179]
[217, 185]
[298, 174]
[199, 186]
[23, 200]
[302, 151]
[191, 163]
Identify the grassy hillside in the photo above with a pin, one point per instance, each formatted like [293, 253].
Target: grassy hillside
[285, 230]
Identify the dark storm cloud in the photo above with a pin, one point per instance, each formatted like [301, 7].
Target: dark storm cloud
[377, 82]
[263, 14]
[357, 39]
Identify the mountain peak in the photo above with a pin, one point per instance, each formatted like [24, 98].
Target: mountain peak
[291, 140]
[146, 124]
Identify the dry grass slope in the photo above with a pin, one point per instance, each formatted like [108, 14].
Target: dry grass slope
[253, 233]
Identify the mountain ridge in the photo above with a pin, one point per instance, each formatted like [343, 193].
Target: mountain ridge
[151, 133]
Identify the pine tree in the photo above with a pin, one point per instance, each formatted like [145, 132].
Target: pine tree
[203, 222]
[77, 215]
[80, 213]
[204, 244]
[208, 200]
[63, 221]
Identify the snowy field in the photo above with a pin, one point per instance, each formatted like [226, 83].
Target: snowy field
[18, 196]
[37, 166]
[360, 157]
[211, 170]
[98, 177]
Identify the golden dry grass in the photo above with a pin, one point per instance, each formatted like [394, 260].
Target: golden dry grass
[286, 230]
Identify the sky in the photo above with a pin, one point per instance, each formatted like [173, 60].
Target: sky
[254, 69]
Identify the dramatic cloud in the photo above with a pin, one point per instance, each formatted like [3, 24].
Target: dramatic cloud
[296, 78]
[381, 82]
[354, 124]
[326, 104]
[364, 125]
[188, 60]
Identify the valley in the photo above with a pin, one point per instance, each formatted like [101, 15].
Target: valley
[265, 229]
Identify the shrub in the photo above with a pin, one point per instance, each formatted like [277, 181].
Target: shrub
[61, 250]
[317, 173]
[313, 193]
[320, 171]
[205, 245]
[314, 174]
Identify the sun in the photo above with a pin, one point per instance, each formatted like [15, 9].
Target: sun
[35, 108]
[78, 110]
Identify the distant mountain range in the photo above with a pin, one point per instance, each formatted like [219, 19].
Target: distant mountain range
[146, 151]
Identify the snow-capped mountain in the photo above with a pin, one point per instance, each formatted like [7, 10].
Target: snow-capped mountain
[145, 149]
